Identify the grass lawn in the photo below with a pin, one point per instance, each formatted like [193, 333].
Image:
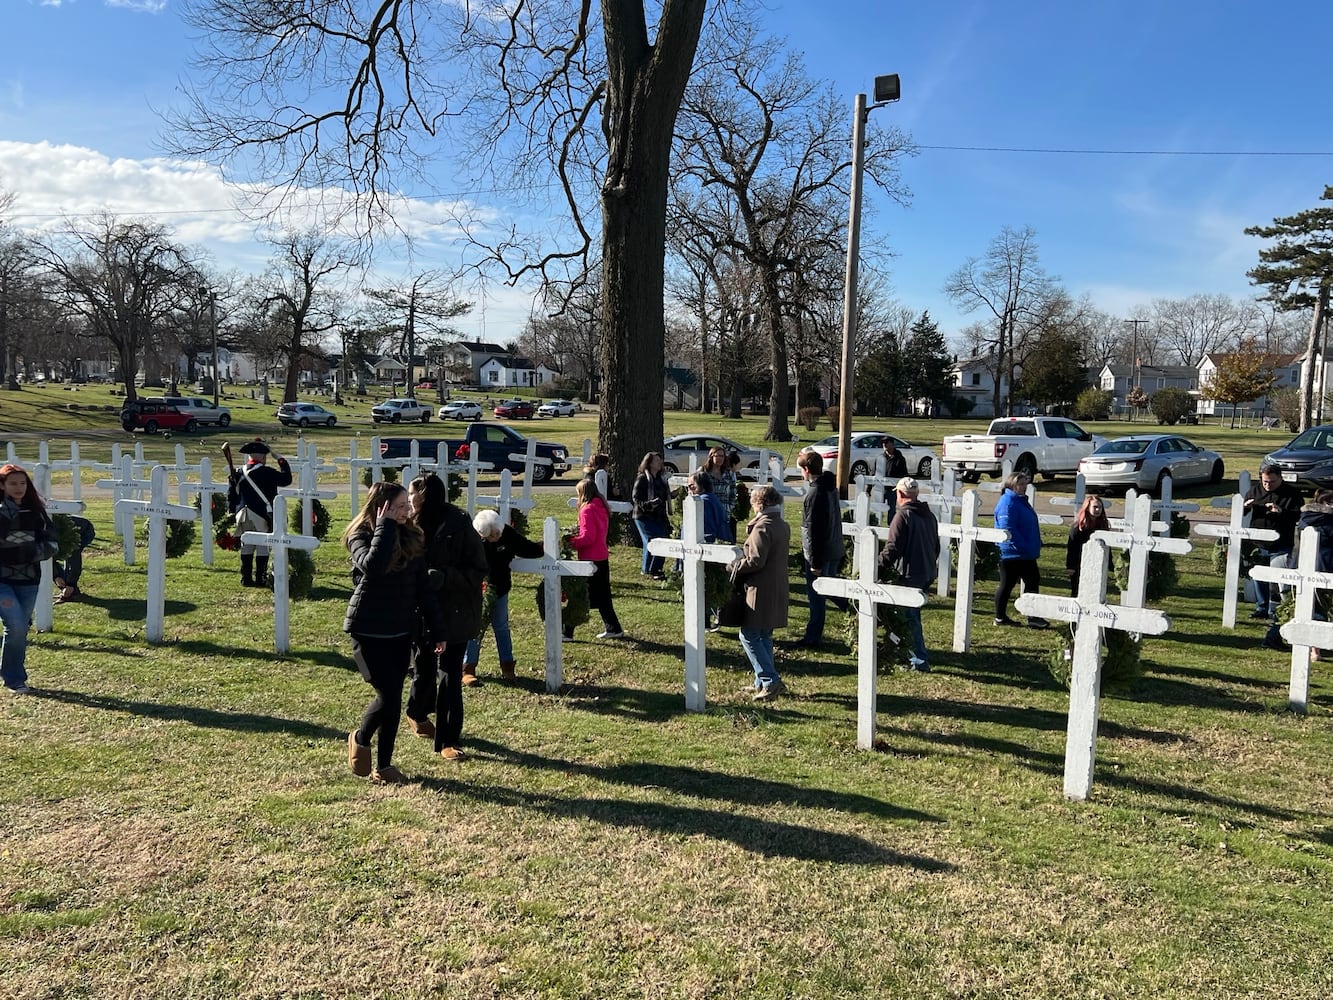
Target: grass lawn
[178, 820]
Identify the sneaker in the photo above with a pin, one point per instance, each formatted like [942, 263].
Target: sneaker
[21, 689]
[1259, 615]
[1038, 623]
[1005, 621]
[920, 666]
[769, 692]
[608, 634]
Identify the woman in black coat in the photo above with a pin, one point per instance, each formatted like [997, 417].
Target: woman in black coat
[390, 594]
[457, 565]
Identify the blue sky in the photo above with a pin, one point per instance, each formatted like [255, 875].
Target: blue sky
[83, 81]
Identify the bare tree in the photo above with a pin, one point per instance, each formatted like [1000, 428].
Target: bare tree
[1010, 285]
[1194, 327]
[123, 280]
[424, 302]
[374, 86]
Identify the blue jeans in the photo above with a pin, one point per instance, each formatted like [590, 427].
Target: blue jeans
[1270, 594]
[648, 530]
[814, 628]
[73, 567]
[504, 642]
[916, 635]
[16, 603]
[758, 646]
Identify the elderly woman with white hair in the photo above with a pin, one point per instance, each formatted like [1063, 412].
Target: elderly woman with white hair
[503, 544]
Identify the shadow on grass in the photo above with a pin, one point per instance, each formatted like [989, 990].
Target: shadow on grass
[1166, 669]
[244, 722]
[1018, 716]
[762, 836]
[123, 609]
[1187, 793]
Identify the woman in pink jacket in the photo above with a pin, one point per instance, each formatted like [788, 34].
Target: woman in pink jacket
[589, 543]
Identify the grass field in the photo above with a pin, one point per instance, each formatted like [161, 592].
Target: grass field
[177, 820]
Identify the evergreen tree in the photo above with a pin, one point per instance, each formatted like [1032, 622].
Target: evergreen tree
[1298, 271]
[927, 364]
[1053, 372]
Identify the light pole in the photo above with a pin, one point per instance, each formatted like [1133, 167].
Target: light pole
[887, 90]
[212, 297]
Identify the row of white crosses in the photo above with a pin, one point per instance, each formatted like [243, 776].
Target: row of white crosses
[43, 614]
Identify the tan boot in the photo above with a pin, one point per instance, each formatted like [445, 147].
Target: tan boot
[422, 727]
[469, 675]
[507, 670]
[358, 757]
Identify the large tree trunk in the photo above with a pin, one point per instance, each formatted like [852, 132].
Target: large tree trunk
[1310, 374]
[644, 89]
[293, 362]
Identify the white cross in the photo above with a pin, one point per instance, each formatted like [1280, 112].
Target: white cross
[377, 463]
[860, 522]
[1090, 614]
[158, 511]
[43, 614]
[307, 489]
[693, 552]
[1236, 531]
[182, 470]
[552, 568]
[75, 468]
[279, 540]
[968, 533]
[942, 500]
[530, 462]
[1303, 632]
[206, 489]
[1242, 487]
[474, 467]
[1141, 542]
[1126, 523]
[864, 590]
[505, 500]
[1166, 507]
[125, 487]
[1080, 492]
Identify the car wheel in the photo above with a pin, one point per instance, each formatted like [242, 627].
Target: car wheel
[541, 473]
[128, 427]
[425, 418]
[669, 469]
[191, 426]
[860, 469]
[224, 420]
[397, 418]
[923, 468]
[971, 477]
[476, 418]
[1027, 465]
[330, 422]
[150, 427]
[1218, 472]
[303, 422]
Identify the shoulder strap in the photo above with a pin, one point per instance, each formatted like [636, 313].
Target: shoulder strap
[254, 489]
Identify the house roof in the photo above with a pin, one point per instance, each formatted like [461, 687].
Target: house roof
[481, 347]
[1161, 371]
[511, 362]
[1272, 360]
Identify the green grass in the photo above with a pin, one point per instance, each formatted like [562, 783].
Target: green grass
[178, 820]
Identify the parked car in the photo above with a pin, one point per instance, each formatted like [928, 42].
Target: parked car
[304, 415]
[495, 444]
[201, 408]
[558, 408]
[152, 415]
[1145, 461]
[463, 409]
[515, 409]
[1307, 459]
[867, 446]
[397, 411]
[676, 451]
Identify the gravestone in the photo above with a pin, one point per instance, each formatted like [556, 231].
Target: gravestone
[693, 552]
[1090, 614]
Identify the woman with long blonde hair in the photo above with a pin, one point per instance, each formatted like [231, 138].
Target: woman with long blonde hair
[390, 592]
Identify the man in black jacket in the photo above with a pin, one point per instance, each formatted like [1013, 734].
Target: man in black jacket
[913, 549]
[1271, 503]
[256, 486]
[821, 541]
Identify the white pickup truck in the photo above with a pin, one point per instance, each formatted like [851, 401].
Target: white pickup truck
[396, 411]
[1048, 445]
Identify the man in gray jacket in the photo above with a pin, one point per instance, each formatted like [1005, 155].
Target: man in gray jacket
[913, 549]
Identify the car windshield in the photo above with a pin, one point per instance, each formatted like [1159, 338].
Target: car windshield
[1316, 438]
[1128, 447]
[828, 442]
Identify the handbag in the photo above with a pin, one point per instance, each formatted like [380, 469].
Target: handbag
[732, 612]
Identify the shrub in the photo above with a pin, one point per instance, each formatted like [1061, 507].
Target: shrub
[1287, 403]
[1092, 404]
[959, 406]
[1169, 405]
[809, 417]
[834, 414]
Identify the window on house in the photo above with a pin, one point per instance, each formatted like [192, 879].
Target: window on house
[493, 376]
[976, 378]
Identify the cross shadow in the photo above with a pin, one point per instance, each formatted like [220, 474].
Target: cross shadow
[761, 836]
[1167, 669]
[1176, 793]
[245, 722]
[122, 609]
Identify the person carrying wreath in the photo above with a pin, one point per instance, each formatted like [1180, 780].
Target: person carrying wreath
[27, 539]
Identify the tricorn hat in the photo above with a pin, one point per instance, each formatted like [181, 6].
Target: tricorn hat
[255, 447]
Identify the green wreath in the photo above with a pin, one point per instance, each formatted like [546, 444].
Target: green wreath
[67, 536]
[319, 519]
[300, 574]
[891, 625]
[488, 600]
[985, 559]
[717, 584]
[386, 475]
[573, 594]
[180, 536]
[1122, 659]
[1162, 573]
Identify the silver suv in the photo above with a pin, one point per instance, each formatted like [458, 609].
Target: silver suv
[201, 409]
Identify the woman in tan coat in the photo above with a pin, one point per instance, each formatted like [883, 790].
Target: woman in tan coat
[762, 568]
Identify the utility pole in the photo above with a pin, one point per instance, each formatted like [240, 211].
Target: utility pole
[1135, 323]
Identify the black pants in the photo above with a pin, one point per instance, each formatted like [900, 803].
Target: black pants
[384, 663]
[599, 597]
[437, 686]
[1012, 571]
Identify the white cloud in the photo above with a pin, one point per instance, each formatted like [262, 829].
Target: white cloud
[140, 6]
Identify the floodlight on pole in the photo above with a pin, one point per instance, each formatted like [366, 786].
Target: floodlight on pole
[887, 90]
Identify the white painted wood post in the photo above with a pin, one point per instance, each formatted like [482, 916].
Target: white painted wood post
[279, 541]
[1303, 632]
[158, 511]
[1236, 532]
[43, 615]
[553, 568]
[968, 533]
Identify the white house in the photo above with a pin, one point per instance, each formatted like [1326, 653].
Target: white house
[507, 372]
[1286, 372]
[973, 379]
[475, 354]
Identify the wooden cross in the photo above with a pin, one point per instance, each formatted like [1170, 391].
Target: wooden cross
[279, 541]
[307, 489]
[125, 487]
[693, 552]
[867, 594]
[1167, 507]
[158, 511]
[968, 533]
[43, 614]
[474, 467]
[553, 568]
[75, 468]
[1090, 614]
[1303, 632]
[1242, 487]
[1141, 543]
[182, 470]
[505, 501]
[206, 489]
[531, 461]
[377, 463]
[1236, 531]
